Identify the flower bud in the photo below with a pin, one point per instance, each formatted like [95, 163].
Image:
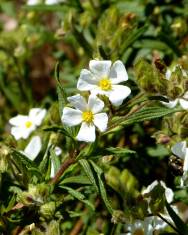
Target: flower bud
[47, 210]
[149, 78]
[53, 228]
[118, 217]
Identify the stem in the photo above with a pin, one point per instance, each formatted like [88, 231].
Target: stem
[77, 228]
[62, 169]
[166, 221]
[113, 229]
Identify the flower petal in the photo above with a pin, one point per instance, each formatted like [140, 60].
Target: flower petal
[71, 117]
[51, 2]
[27, 131]
[118, 73]
[86, 81]
[18, 120]
[52, 173]
[179, 149]
[100, 68]
[37, 115]
[16, 132]
[58, 151]
[185, 164]
[150, 187]
[86, 133]
[101, 121]
[95, 104]
[169, 194]
[118, 94]
[32, 2]
[168, 74]
[171, 104]
[33, 148]
[184, 103]
[78, 102]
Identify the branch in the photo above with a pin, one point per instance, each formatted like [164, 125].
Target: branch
[62, 169]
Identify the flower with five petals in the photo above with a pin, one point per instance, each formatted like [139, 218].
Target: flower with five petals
[103, 78]
[23, 125]
[87, 114]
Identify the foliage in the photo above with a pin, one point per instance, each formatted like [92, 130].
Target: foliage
[72, 187]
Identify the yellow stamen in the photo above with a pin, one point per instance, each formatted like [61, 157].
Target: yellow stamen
[87, 116]
[105, 84]
[28, 124]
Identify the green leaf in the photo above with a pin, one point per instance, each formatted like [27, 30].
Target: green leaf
[55, 160]
[103, 193]
[88, 171]
[45, 165]
[76, 180]
[43, 7]
[59, 129]
[120, 151]
[62, 96]
[133, 36]
[62, 99]
[180, 225]
[79, 196]
[21, 158]
[145, 114]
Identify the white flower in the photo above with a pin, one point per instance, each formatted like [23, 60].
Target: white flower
[148, 226]
[51, 2]
[33, 2]
[86, 114]
[58, 151]
[23, 125]
[183, 101]
[33, 148]
[181, 151]
[169, 194]
[102, 78]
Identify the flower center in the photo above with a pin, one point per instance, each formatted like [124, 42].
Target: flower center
[87, 116]
[138, 232]
[105, 84]
[28, 124]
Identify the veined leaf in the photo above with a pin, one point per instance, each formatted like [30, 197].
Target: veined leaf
[103, 193]
[62, 97]
[145, 114]
[120, 151]
[79, 196]
[134, 35]
[45, 165]
[76, 180]
[59, 129]
[55, 160]
[19, 157]
[88, 171]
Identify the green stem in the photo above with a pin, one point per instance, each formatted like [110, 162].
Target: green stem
[113, 229]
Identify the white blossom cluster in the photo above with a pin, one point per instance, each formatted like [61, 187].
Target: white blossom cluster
[152, 224]
[102, 78]
[183, 101]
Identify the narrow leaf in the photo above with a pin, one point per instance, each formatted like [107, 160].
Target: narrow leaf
[88, 171]
[103, 193]
[79, 196]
